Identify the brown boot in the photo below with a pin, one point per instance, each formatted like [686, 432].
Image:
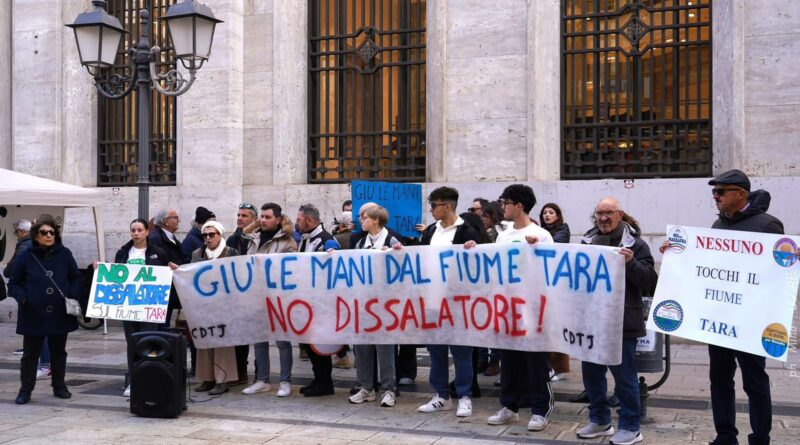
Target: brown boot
[493, 369]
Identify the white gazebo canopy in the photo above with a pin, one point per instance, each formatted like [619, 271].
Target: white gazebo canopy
[21, 189]
[27, 190]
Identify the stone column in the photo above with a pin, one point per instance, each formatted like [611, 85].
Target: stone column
[78, 144]
[435, 105]
[727, 83]
[5, 85]
[36, 76]
[544, 87]
[290, 92]
[258, 103]
[211, 131]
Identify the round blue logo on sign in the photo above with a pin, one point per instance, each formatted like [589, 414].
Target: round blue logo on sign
[668, 315]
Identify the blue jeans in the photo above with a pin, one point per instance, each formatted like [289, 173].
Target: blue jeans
[262, 360]
[366, 366]
[626, 389]
[44, 358]
[440, 367]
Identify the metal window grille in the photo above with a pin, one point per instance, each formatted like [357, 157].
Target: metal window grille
[117, 119]
[367, 90]
[635, 88]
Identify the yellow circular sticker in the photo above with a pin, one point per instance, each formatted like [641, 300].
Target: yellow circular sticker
[775, 339]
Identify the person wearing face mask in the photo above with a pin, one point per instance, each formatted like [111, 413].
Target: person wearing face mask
[216, 367]
[613, 227]
[42, 277]
[138, 251]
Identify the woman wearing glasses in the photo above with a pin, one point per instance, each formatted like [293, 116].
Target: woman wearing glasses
[216, 367]
[41, 278]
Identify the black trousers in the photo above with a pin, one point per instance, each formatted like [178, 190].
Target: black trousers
[755, 380]
[242, 352]
[321, 365]
[29, 364]
[406, 362]
[130, 328]
[525, 382]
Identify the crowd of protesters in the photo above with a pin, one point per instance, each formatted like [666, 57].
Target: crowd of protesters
[43, 273]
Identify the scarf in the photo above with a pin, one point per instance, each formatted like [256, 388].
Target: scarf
[622, 236]
[214, 254]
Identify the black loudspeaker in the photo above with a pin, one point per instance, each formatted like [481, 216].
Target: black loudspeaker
[158, 382]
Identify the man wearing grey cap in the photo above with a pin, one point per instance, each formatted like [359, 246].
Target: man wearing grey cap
[730, 192]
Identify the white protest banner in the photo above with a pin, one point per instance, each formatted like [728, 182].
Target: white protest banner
[728, 288]
[130, 292]
[548, 297]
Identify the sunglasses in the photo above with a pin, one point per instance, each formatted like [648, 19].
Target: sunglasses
[209, 235]
[474, 209]
[47, 233]
[247, 205]
[721, 191]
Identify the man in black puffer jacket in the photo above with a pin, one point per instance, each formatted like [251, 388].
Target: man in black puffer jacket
[736, 212]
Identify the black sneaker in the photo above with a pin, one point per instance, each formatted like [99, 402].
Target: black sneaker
[319, 390]
[581, 397]
[62, 393]
[23, 397]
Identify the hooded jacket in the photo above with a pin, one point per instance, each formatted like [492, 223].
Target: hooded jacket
[754, 218]
[640, 278]
[281, 242]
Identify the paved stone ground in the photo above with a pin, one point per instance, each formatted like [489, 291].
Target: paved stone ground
[97, 414]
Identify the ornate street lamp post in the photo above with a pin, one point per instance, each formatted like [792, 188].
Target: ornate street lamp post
[98, 35]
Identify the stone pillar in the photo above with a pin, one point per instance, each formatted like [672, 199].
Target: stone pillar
[435, 106]
[728, 85]
[5, 85]
[290, 93]
[211, 123]
[78, 144]
[36, 73]
[544, 87]
[258, 103]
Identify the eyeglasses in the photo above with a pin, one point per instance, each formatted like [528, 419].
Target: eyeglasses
[209, 235]
[47, 232]
[247, 205]
[721, 191]
[176, 218]
[474, 209]
[606, 214]
[437, 204]
[505, 202]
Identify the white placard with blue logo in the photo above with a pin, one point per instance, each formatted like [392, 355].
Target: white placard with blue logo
[728, 288]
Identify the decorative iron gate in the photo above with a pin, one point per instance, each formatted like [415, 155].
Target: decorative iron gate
[636, 88]
[367, 90]
[117, 122]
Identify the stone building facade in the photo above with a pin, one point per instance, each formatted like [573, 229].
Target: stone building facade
[493, 95]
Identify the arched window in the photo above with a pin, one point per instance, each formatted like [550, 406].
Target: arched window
[366, 90]
[636, 88]
[116, 119]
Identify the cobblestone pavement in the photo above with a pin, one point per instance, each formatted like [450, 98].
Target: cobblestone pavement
[98, 414]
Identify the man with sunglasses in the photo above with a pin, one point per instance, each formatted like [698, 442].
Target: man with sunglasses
[731, 191]
[244, 217]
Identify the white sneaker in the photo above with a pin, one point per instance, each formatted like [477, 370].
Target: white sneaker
[362, 396]
[503, 416]
[436, 404]
[43, 373]
[388, 398]
[537, 423]
[592, 430]
[257, 387]
[127, 392]
[284, 389]
[464, 407]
